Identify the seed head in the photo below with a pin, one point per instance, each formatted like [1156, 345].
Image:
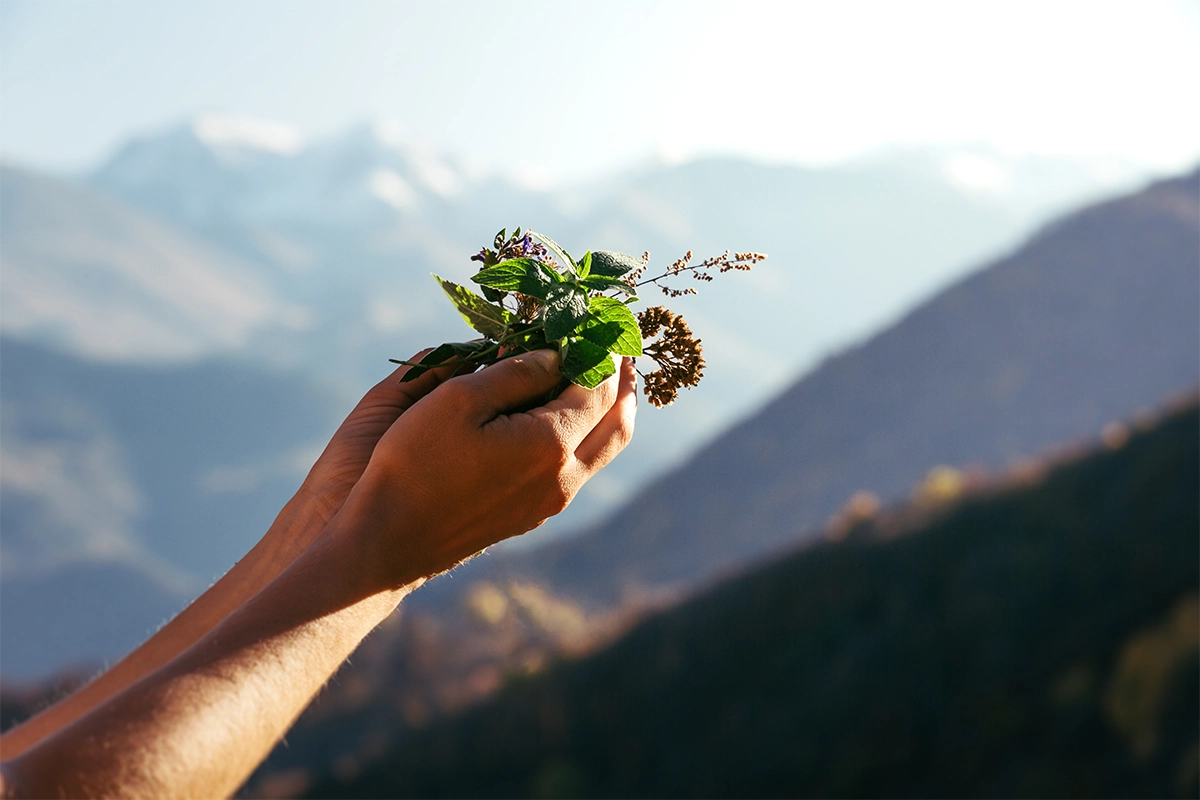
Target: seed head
[677, 352]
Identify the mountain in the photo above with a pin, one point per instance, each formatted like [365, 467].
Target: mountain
[81, 614]
[230, 249]
[1033, 640]
[97, 277]
[350, 227]
[213, 169]
[126, 489]
[1091, 319]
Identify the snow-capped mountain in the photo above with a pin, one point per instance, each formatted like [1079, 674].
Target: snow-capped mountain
[92, 275]
[215, 169]
[238, 241]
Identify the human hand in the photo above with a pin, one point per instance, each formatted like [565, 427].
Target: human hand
[297, 527]
[349, 450]
[456, 473]
[339, 466]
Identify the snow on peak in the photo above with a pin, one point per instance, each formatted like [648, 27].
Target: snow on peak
[223, 131]
[392, 189]
[390, 133]
[972, 172]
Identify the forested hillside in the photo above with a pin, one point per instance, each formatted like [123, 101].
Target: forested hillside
[1035, 640]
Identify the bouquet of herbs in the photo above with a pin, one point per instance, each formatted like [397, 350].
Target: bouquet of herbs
[536, 296]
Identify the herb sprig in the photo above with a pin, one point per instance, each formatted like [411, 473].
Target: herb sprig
[536, 296]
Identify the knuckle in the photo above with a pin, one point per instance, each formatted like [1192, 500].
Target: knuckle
[379, 394]
[524, 378]
[624, 436]
[626, 429]
[608, 391]
[552, 450]
[558, 497]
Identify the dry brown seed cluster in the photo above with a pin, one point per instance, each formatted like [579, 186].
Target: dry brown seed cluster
[677, 353]
[636, 275]
[527, 306]
[700, 272]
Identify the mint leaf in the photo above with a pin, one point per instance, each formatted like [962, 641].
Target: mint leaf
[490, 320]
[526, 275]
[554, 247]
[443, 354]
[566, 307]
[585, 264]
[586, 364]
[602, 283]
[613, 264]
[611, 325]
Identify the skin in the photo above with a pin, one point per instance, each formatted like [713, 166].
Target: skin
[420, 477]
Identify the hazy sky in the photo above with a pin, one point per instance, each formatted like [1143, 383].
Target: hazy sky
[569, 89]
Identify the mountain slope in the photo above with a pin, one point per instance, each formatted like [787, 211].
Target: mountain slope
[96, 276]
[1038, 642]
[80, 615]
[1093, 318]
[137, 486]
[348, 270]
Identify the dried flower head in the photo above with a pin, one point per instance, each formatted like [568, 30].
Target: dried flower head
[527, 306]
[677, 352]
[700, 272]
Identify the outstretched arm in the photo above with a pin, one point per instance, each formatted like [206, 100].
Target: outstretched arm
[451, 476]
[297, 526]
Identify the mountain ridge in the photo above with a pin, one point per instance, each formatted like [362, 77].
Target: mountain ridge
[1065, 354]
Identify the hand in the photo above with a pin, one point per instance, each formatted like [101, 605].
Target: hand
[456, 473]
[298, 525]
[342, 462]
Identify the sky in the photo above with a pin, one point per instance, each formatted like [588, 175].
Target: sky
[571, 90]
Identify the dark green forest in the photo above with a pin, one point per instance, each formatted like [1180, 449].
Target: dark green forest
[1035, 639]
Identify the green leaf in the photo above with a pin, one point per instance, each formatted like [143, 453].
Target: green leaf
[587, 364]
[613, 264]
[494, 295]
[566, 307]
[602, 283]
[611, 325]
[585, 264]
[444, 354]
[487, 318]
[525, 275]
[554, 247]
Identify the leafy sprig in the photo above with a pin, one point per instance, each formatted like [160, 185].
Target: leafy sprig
[535, 295]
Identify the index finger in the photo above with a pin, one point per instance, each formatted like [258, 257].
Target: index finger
[576, 411]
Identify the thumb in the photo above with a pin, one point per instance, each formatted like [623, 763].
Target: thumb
[515, 381]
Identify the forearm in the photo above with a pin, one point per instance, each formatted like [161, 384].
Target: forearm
[453, 475]
[296, 527]
[200, 725]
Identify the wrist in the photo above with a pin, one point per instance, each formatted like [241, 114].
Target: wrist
[298, 524]
[347, 559]
[378, 542]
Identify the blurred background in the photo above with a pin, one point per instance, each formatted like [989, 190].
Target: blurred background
[930, 524]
